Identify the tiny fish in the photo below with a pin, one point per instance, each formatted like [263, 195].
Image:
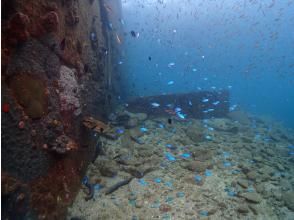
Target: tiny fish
[170, 157]
[170, 65]
[157, 180]
[216, 103]
[205, 100]
[210, 110]
[122, 21]
[198, 178]
[62, 44]
[185, 155]
[190, 103]
[229, 87]
[207, 137]
[118, 39]
[119, 131]
[194, 70]
[134, 34]
[93, 36]
[213, 87]
[178, 109]
[205, 78]
[155, 104]
[170, 82]
[120, 62]
[233, 107]
[161, 125]
[143, 129]
[180, 115]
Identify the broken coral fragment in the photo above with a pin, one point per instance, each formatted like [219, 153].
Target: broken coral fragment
[95, 125]
[63, 144]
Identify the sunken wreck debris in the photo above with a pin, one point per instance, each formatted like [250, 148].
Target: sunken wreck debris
[198, 105]
[51, 79]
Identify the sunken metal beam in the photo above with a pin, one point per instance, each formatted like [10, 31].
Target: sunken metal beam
[200, 105]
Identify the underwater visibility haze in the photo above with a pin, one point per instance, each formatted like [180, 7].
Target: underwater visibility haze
[147, 109]
[247, 45]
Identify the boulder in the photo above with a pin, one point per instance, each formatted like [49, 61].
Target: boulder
[195, 131]
[252, 197]
[288, 198]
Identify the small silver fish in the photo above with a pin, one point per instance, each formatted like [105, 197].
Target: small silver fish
[170, 65]
[155, 104]
[170, 82]
[205, 100]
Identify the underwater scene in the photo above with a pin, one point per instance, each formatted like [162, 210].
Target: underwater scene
[147, 109]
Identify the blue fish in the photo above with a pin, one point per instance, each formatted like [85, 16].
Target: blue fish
[208, 172]
[190, 103]
[161, 125]
[185, 155]
[119, 131]
[198, 178]
[143, 129]
[178, 109]
[142, 182]
[205, 100]
[157, 180]
[226, 154]
[170, 82]
[181, 116]
[170, 157]
[216, 103]
[203, 213]
[227, 164]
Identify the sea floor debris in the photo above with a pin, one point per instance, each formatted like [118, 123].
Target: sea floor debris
[232, 176]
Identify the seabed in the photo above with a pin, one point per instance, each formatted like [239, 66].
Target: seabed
[238, 167]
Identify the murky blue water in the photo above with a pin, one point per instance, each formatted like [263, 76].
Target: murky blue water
[246, 46]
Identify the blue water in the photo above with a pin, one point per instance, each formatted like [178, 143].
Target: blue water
[246, 46]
